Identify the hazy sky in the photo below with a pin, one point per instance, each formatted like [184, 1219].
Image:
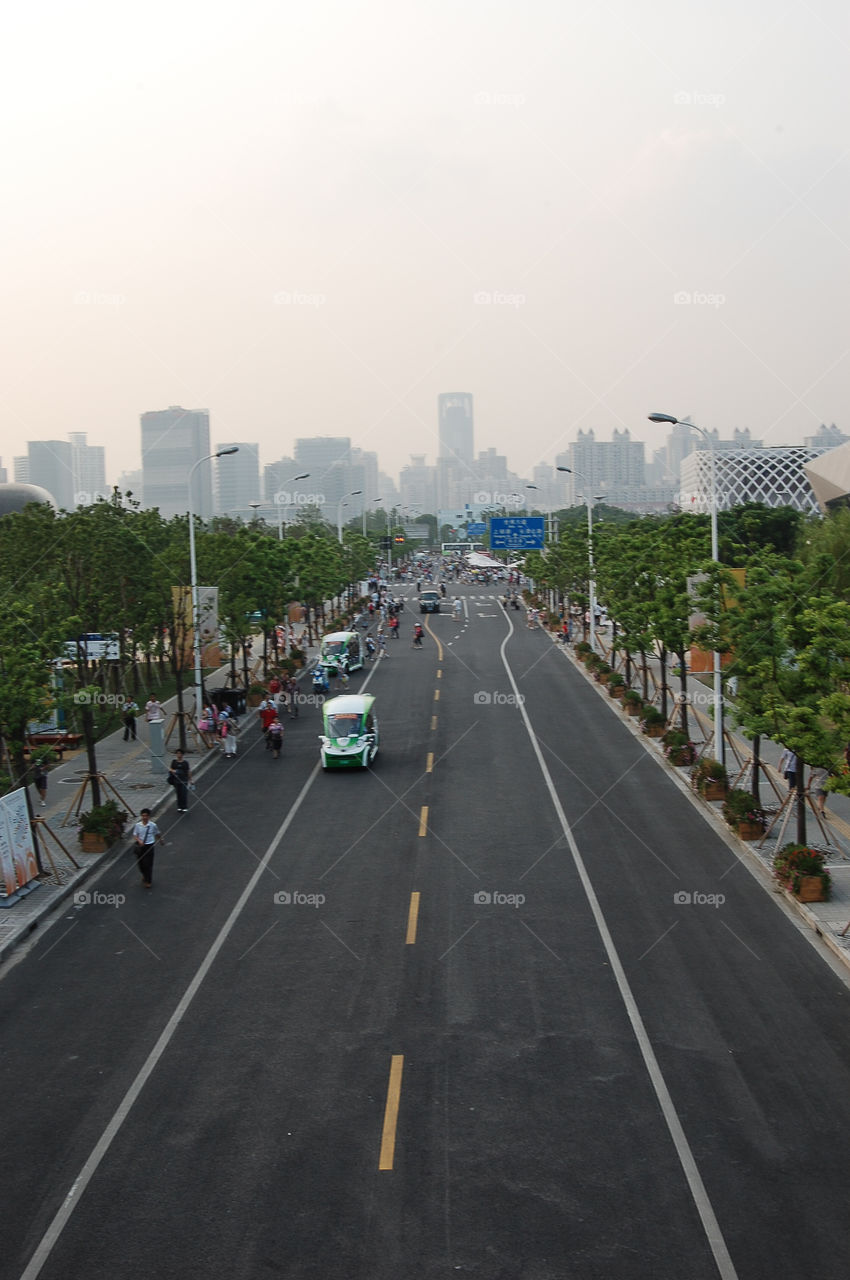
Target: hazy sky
[311, 219]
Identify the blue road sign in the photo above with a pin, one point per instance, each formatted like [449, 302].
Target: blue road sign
[517, 533]
[475, 529]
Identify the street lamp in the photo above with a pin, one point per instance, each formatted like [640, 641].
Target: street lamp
[374, 500]
[354, 493]
[193, 571]
[589, 499]
[719, 744]
[304, 476]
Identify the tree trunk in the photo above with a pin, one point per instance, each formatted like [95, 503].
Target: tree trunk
[801, 803]
[178, 676]
[756, 775]
[662, 657]
[683, 681]
[644, 675]
[87, 716]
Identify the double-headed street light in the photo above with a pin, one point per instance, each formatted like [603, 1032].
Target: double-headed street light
[374, 500]
[193, 571]
[304, 476]
[354, 493]
[589, 500]
[719, 744]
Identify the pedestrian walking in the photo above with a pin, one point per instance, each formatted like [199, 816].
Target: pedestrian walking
[145, 834]
[40, 783]
[817, 786]
[153, 710]
[179, 777]
[788, 767]
[292, 690]
[229, 730]
[129, 712]
[267, 711]
[275, 737]
[382, 645]
[394, 627]
[418, 633]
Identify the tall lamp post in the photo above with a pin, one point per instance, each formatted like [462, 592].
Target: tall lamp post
[193, 571]
[374, 500]
[354, 493]
[589, 500]
[719, 743]
[304, 476]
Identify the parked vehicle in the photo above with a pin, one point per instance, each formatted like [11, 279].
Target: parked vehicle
[350, 738]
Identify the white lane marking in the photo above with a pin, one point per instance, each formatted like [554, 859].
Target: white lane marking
[711, 1226]
[89, 1169]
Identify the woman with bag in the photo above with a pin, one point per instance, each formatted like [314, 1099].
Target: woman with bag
[180, 776]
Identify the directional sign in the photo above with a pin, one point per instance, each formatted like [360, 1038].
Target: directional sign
[517, 533]
[475, 529]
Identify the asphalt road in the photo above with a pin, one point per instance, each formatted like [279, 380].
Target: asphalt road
[480, 1038]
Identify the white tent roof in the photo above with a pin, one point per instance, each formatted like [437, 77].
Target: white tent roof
[477, 560]
[829, 475]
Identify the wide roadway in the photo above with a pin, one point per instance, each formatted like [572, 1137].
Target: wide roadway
[480, 1037]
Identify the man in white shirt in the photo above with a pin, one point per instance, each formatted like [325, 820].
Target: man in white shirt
[146, 834]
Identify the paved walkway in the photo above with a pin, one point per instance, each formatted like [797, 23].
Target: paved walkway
[130, 768]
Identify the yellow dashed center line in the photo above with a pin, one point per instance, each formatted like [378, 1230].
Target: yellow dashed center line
[429, 762]
[440, 674]
[433, 722]
[387, 1155]
[412, 918]
[436, 695]
[423, 820]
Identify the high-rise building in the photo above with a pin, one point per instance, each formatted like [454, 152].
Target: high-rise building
[456, 427]
[237, 480]
[610, 469]
[89, 467]
[21, 469]
[328, 461]
[173, 440]
[51, 466]
[277, 477]
[4, 476]
[417, 485]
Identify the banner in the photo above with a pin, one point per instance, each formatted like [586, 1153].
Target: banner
[7, 866]
[21, 845]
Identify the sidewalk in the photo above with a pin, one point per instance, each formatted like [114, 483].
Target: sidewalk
[827, 919]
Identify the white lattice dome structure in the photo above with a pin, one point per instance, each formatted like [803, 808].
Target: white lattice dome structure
[774, 476]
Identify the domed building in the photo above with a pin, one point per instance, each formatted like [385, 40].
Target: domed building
[14, 497]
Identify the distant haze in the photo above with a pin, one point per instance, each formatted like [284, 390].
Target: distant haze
[312, 219]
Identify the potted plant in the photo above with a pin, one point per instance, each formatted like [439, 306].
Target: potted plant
[616, 685]
[633, 702]
[582, 649]
[710, 778]
[256, 693]
[678, 750]
[803, 871]
[297, 656]
[741, 812]
[101, 826]
[652, 722]
[602, 671]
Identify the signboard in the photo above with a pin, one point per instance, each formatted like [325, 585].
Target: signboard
[417, 532]
[94, 647]
[18, 847]
[517, 533]
[476, 529]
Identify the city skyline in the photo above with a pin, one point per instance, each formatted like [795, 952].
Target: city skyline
[315, 222]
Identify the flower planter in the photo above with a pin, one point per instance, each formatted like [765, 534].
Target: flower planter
[604, 677]
[680, 758]
[633, 709]
[811, 889]
[93, 843]
[615, 691]
[750, 830]
[654, 731]
[713, 791]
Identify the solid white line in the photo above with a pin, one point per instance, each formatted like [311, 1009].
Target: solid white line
[84, 1177]
[725, 1266]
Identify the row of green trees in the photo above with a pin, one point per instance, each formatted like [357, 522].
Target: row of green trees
[777, 607]
[111, 568]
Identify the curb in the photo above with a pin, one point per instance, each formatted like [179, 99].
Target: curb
[739, 847]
